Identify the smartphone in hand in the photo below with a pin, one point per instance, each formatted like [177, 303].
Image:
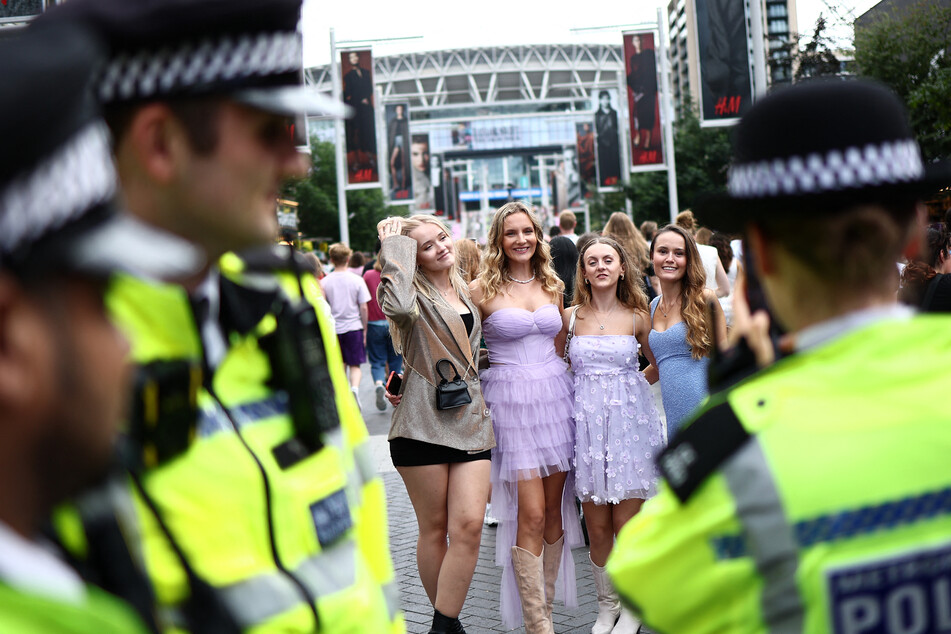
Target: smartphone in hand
[394, 382]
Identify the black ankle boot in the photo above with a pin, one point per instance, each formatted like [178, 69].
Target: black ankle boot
[443, 624]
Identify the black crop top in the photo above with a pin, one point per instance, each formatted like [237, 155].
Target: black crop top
[468, 320]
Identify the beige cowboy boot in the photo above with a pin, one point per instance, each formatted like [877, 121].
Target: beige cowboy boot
[529, 575]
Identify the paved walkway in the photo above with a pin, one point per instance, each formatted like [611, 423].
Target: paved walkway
[481, 612]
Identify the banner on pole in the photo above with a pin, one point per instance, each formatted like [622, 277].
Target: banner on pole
[423, 194]
[606, 140]
[356, 68]
[587, 167]
[398, 152]
[643, 102]
[726, 82]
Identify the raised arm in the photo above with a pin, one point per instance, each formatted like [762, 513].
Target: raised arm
[396, 293]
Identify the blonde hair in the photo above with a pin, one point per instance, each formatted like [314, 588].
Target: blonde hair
[622, 229]
[685, 220]
[421, 283]
[629, 291]
[495, 264]
[468, 258]
[339, 254]
[692, 305]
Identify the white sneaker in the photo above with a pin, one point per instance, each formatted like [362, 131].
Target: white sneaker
[356, 397]
[380, 398]
[489, 519]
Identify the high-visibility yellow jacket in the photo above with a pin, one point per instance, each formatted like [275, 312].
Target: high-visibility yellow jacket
[813, 497]
[230, 508]
[27, 613]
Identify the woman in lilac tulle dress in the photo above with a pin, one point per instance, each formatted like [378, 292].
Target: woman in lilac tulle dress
[618, 431]
[528, 391]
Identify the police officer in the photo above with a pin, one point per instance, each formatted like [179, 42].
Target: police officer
[64, 375]
[255, 503]
[813, 496]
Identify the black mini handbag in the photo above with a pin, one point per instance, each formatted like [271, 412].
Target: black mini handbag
[451, 394]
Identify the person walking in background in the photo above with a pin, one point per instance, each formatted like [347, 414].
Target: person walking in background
[680, 337]
[567, 223]
[528, 390]
[442, 455]
[564, 259]
[618, 431]
[648, 229]
[622, 229]
[383, 356]
[348, 297]
[716, 278]
[731, 264]
[356, 263]
[809, 496]
[925, 281]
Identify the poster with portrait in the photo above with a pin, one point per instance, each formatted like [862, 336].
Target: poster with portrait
[643, 102]
[397, 153]
[726, 80]
[422, 179]
[356, 68]
[584, 146]
[606, 139]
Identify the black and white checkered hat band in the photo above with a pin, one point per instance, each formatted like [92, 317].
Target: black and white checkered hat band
[149, 73]
[79, 176]
[871, 166]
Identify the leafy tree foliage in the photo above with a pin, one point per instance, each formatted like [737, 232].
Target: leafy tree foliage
[703, 157]
[910, 51]
[317, 198]
[815, 58]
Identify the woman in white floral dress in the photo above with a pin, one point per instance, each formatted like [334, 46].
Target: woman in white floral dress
[618, 427]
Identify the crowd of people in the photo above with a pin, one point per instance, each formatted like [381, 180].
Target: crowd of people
[789, 474]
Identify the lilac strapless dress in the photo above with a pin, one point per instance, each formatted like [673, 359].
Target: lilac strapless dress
[529, 393]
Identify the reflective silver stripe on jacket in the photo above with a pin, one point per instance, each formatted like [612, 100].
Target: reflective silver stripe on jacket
[259, 599]
[768, 534]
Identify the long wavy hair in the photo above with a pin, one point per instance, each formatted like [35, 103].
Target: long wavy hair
[629, 291]
[468, 258]
[495, 264]
[622, 229]
[421, 282]
[692, 305]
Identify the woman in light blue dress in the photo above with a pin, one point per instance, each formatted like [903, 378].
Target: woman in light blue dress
[680, 336]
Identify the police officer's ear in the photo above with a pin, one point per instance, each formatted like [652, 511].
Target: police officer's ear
[762, 248]
[23, 338]
[152, 145]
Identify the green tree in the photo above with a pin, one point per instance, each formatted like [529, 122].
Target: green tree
[815, 58]
[910, 51]
[316, 195]
[702, 156]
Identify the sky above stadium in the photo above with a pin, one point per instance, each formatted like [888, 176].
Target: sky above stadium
[446, 24]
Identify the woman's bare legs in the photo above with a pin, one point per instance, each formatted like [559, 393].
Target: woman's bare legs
[539, 511]
[449, 501]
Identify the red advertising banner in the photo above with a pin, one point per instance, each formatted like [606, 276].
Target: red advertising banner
[587, 171]
[398, 152]
[357, 70]
[643, 103]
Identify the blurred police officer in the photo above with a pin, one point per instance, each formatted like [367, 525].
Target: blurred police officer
[256, 502]
[64, 373]
[814, 496]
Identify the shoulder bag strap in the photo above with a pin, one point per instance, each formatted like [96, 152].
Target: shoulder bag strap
[571, 332]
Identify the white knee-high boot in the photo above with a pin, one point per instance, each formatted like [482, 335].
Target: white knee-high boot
[608, 604]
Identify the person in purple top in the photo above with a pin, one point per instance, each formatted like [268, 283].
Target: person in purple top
[529, 394]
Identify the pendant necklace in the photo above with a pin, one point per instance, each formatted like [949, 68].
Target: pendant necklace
[599, 319]
[532, 278]
[661, 304]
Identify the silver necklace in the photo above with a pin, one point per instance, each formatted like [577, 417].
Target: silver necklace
[598, 318]
[671, 307]
[531, 279]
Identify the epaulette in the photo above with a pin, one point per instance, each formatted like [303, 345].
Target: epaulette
[273, 258]
[700, 448]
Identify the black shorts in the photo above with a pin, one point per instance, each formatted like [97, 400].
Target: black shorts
[406, 452]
